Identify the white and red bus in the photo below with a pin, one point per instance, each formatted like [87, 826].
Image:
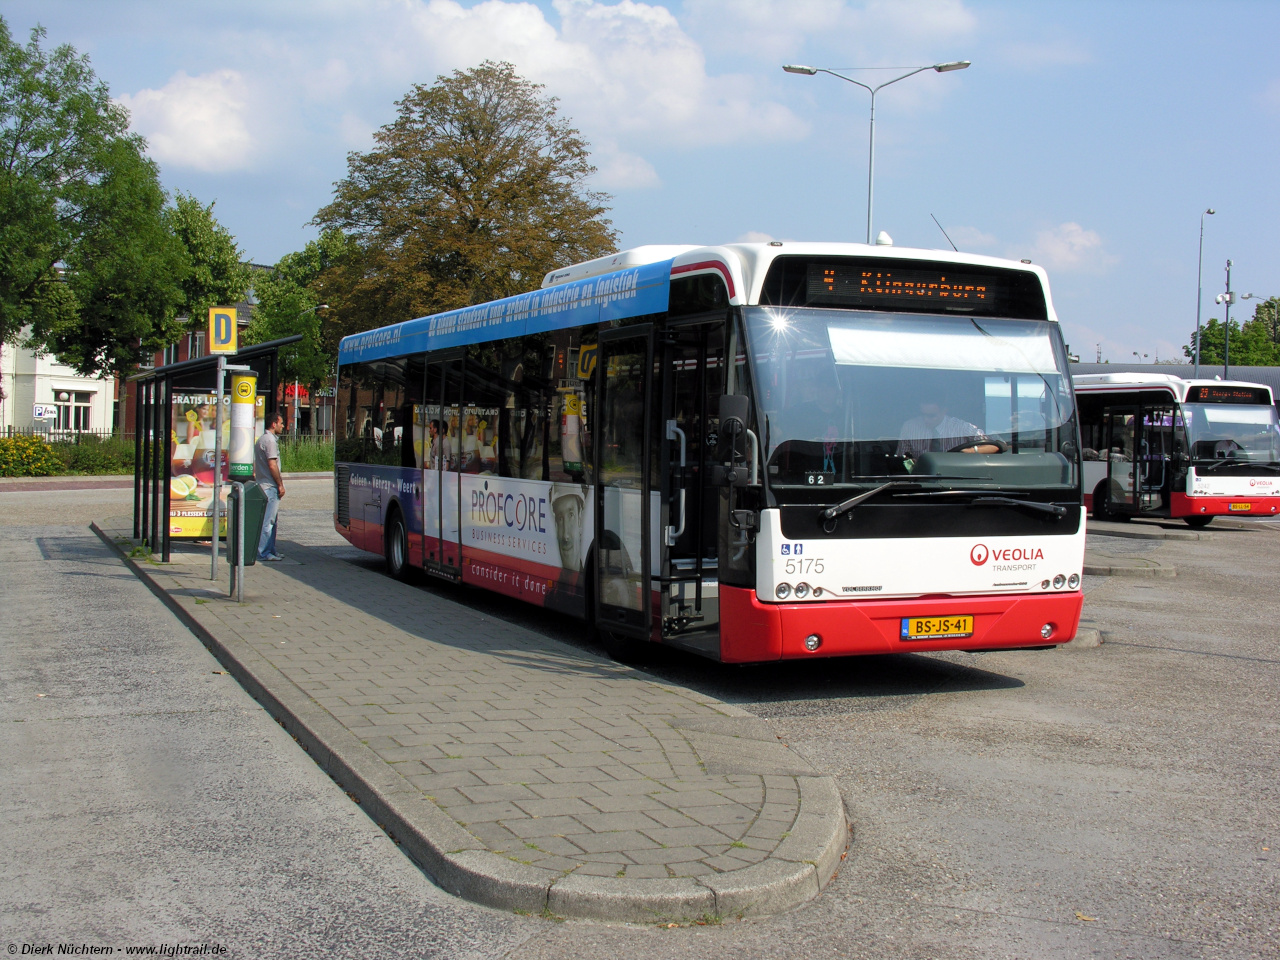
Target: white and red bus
[751, 451]
[1156, 445]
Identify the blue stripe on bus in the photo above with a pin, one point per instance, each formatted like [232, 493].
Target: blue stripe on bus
[633, 292]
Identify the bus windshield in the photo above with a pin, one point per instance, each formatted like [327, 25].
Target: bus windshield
[1233, 431]
[952, 402]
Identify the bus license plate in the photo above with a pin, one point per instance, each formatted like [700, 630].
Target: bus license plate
[936, 628]
[1243, 507]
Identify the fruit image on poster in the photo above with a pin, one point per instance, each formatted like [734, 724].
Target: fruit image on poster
[191, 462]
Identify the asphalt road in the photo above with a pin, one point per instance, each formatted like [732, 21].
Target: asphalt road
[147, 799]
[1113, 802]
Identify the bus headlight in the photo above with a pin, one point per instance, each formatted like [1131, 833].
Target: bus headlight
[802, 591]
[812, 642]
[1059, 582]
[1046, 631]
[783, 591]
[1073, 581]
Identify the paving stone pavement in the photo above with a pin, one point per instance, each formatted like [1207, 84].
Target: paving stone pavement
[518, 771]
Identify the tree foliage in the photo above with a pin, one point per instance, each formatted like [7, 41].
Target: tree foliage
[291, 301]
[60, 136]
[91, 263]
[474, 192]
[216, 275]
[125, 272]
[1255, 343]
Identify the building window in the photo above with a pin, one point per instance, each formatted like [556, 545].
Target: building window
[74, 411]
[197, 346]
[170, 354]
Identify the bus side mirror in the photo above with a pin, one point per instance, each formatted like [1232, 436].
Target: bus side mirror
[735, 411]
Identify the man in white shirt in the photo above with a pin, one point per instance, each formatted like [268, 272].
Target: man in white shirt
[934, 430]
[266, 470]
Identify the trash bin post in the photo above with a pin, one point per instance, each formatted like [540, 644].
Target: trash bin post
[240, 545]
[235, 528]
[246, 509]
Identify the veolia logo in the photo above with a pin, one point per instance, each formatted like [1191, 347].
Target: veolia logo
[981, 553]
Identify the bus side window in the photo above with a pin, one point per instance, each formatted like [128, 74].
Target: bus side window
[484, 409]
[354, 397]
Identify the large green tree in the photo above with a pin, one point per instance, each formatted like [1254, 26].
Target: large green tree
[87, 261]
[291, 300]
[474, 192]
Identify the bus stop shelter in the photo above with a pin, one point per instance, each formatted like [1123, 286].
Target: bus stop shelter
[156, 439]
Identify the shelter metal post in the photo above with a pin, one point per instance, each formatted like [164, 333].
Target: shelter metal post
[215, 510]
[137, 460]
[166, 473]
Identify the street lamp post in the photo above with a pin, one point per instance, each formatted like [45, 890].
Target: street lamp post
[1227, 298]
[871, 148]
[1199, 295]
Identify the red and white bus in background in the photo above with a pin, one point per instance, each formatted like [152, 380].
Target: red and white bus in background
[751, 451]
[1156, 445]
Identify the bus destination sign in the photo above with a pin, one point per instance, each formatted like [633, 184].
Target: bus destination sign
[1227, 394]
[894, 287]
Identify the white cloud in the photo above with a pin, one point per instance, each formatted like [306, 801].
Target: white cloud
[869, 33]
[1271, 96]
[624, 71]
[971, 238]
[197, 122]
[754, 236]
[619, 170]
[1070, 246]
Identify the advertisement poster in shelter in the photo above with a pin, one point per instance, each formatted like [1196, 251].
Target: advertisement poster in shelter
[191, 456]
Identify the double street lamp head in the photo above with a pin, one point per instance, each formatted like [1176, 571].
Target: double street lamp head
[807, 71]
[938, 67]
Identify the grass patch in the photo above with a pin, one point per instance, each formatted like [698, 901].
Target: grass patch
[305, 455]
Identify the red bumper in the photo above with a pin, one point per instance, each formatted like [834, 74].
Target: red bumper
[1246, 505]
[753, 631]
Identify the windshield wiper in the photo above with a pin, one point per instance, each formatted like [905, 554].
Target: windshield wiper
[830, 513]
[1051, 509]
[1217, 464]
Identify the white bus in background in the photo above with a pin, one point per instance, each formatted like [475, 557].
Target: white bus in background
[1156, 445]
[752, 452]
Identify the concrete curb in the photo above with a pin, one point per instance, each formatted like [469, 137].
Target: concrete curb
[1127, 567]
[458, 862]
[1144, 531]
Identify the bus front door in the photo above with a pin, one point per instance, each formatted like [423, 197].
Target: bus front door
[623, 513]
[693, 369]
[1122, 460]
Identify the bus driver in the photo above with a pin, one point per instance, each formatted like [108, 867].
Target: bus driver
[934, 430]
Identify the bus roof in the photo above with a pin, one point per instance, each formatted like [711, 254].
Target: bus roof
[1178, 386]
[627, 284]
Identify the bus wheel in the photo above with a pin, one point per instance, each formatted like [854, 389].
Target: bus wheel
[397, 548]
[1102, 504]
[625, 649]
[1198, 523]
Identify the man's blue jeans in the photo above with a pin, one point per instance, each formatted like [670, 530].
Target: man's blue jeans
[267, 542]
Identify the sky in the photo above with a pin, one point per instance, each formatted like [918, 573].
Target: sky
[1087, 137]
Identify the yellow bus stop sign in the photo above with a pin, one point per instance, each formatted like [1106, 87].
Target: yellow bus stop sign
[222, 330]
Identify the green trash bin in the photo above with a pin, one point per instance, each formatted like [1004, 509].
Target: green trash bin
[255, 509]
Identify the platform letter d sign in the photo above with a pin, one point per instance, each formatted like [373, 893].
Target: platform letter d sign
[222, 329]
